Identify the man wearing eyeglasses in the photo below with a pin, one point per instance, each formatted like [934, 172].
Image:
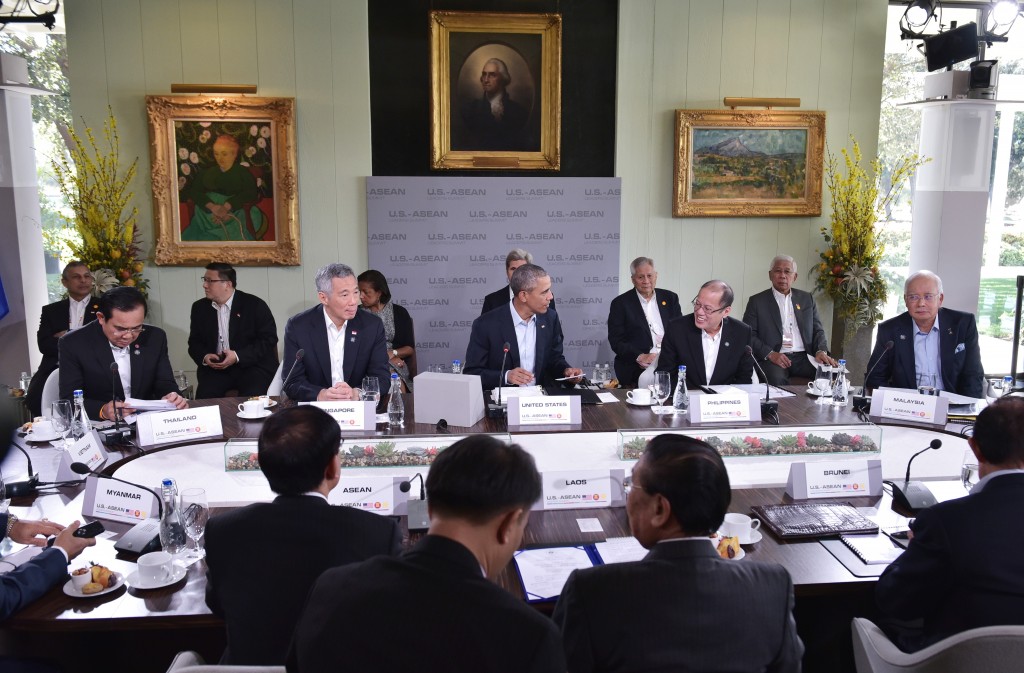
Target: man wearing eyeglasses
[786, 327]
[232, 337]
[118, 335]
[712, 345]
[932, 345]
[55, 320]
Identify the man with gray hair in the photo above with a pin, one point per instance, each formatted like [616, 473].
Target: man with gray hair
[785, 326]
[931, 346]
[513, 260]
[494, 121]
[340, 343]
[637, 320]
[533, 334]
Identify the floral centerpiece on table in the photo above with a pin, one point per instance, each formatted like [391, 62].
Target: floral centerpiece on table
[96, 189]
[848, 271]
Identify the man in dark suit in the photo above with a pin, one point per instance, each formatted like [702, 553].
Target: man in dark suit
[434, 608]
[55, 320]
[637, 321]
[513, 260]
[29, 581]
[932, 346]
[708, 336]
[532, 331]
[232, 337]
[340, 343]
[118, 336]
[683, 607]
[962, 569]
[298, 454]
[494, 121]
[785, 326]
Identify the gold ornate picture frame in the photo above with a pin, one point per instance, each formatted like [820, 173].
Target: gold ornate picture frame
[224, 180]
[496, 90]
[748, 163]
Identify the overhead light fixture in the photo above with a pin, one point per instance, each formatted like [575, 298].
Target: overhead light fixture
[917, 16]
[1001, 16]
[30, 11]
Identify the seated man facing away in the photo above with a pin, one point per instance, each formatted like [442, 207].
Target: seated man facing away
[683, 607]
[963, 567]
[434, 608]
[262, 559]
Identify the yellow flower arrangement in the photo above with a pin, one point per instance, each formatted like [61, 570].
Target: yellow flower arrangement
[98, 193]
[848, 270]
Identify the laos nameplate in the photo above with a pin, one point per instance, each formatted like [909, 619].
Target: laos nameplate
[579, 489]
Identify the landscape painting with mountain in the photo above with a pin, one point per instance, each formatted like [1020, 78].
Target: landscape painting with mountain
[749, 164]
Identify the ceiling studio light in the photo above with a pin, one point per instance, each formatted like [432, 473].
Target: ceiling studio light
[919, 13]
[1001, 16]
[29, 11]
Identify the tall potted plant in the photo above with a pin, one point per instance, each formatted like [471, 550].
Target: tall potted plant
[97, 190]
[848, 269]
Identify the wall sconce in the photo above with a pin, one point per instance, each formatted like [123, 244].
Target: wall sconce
[227, 89]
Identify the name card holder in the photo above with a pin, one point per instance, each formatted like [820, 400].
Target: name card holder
[545, 410]
[835, 478]
[582, 489]
[725, 408]
[161, 427]
[116, 501]
[351, 416]
[379, 495]
[89, 450]
[909, 405]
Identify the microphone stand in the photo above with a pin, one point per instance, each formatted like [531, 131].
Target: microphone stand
[497, 410]
[914, 496]
[862, 402]
[284, 392]
[418, 518]
[769, 407]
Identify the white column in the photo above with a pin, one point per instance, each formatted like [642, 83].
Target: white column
[951, 197]
[21, 255]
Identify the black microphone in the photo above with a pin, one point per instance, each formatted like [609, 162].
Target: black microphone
[768, 405]
[417, 509]
[19, 489]
[914, 495]
[298, 356]
[496, 410]
[117, 436]
[82, 468]
[862, 402]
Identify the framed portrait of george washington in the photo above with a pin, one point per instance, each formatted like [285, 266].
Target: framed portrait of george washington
[495, 100]
[224, 180]
[748, 163]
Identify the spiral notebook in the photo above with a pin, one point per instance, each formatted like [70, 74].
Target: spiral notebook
[872, 549]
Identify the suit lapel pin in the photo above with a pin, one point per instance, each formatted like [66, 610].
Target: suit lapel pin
[542, 326]
[238, 315]
[903, 337]
[949, 331]
[726, 344]
[664, 303]
[798, 307]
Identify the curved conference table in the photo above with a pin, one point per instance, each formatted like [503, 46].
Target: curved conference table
[827, 593]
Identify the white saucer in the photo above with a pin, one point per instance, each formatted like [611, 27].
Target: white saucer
[38, 438]
[652, 403]
[755, 537]
[815, 393]
[273, 403]
[177, 572]
[70, 590]
[242, 414]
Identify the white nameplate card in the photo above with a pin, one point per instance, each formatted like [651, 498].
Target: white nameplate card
[734, 408]
[89, 450]
[179, 425]
[581, 489]
[352, 415]
[835, 478]
[908, 405]
[117, 501]
[380, 495]
[546, 410]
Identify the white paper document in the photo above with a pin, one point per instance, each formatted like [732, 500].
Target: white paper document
[752, 389]
[149, 405]
[620, 550]
[545, 571]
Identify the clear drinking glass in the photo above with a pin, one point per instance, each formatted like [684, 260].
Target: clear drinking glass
[662, 388]
[62, 416]
[926, 384]
[969, 470]
[195, 512]
[823, 383]
[371, 389]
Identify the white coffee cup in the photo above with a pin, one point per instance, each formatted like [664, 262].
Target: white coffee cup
[265, 401]
[740, 526]
[818, 386]
[43, 428]
[639, 396]
[251, 407]
[155, 568]
[79, 581]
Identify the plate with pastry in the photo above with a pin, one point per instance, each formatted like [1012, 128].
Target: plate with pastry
[728, 548]
[104, 581]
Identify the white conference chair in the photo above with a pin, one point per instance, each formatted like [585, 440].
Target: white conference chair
[51, 392]
[993, 649]
[191, 662]
[276, 384]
